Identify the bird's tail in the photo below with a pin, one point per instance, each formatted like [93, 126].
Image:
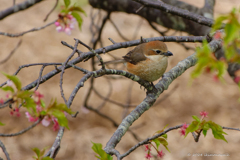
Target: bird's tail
[115, 61]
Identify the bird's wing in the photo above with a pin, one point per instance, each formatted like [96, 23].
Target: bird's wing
[136, 55]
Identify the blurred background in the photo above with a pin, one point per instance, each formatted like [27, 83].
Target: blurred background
[175, 106]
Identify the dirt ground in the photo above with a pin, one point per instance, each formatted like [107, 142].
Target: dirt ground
[183, 101]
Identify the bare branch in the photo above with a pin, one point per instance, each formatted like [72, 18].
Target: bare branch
[4, 150]
[31, 30]
[177, 11]
[11, 53]
[22, 131]
[18, 7]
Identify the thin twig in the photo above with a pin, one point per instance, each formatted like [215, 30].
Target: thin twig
[4, 150]
[11, 53]
[55, 5]
[22, 33]
[22, 131]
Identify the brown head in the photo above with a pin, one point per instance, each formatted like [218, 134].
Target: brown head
[156, 48]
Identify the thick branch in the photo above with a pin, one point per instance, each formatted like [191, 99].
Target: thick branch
[160, 17]
[18, 7]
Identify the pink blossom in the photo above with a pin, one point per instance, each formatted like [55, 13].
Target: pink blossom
[57, 24]
[55, 124]
[30, 118]
[1, 101]
[237, 79]
[10, 83]
[160, 154]
[148, 155]
[46, 121]
[38, 97]
[216, 78]
[67, 30]
[147, 147]
[7, 95]
[39, 108]
[182, 131]
[59, 28]
[184, 126]
[69, 16]
[204, 114]
[15, 112]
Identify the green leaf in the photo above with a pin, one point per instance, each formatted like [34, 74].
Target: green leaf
[164, 136]
[157, 142]
[15, 80]
[63, 107]
[42, 103]
[231, 32]
[204, 133]
[62, 120]
[218, 22]
[67, 3]
[47, 158]
[192, 127]
[196, 118]
[78, 18]
[217, 131]
[37, 151]
[7, 88]
[2, 124]
[30, 104]
[77, 9]
[97, 148]
[164, 143]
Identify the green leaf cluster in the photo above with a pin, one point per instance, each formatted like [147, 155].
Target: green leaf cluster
[102, 155]
[40, 154]
[231, 39]
[74, 10]
[207, 59]
[57, 110]
[197, 126]
[161, 140]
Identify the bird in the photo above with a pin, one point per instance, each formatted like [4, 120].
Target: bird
[148, 60]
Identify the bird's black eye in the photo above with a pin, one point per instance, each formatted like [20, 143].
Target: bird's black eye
[158, 51]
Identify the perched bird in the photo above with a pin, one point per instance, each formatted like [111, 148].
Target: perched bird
[148, 60]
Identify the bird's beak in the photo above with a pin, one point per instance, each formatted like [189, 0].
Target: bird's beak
[168, 53]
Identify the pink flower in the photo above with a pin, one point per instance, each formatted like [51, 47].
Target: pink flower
[184, 126]
[203, 114]
[57, 24]
[216, 78]
[1, 101]
[30, 118]
[182, 131]
[39, 108]
[147, 147]
[59, 28]
[15, 112]
[148, 155]
[38, 97]
[67, 30]
[38, 94]
[46, 121]
[218, 35]
[55, 124]
[160, 154]
[237, 79]
[10, 83]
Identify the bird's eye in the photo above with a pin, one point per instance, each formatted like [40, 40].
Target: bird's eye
[158, 51]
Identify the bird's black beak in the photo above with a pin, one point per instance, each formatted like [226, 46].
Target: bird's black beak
[168, 53]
